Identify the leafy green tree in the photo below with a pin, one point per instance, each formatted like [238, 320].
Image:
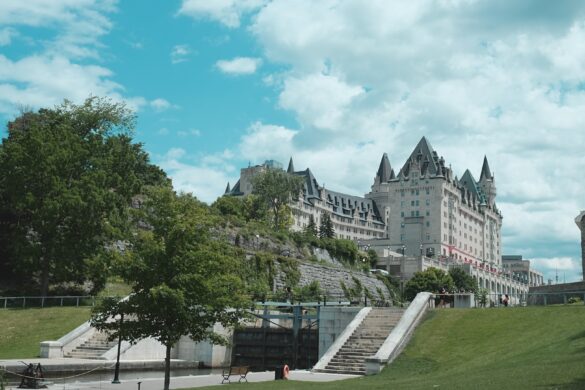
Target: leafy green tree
[462, 280]
[373, 258]
[183, 278]
[276, 188]
[326, 229]
[311, 228]
[431, 280]
[67, 177]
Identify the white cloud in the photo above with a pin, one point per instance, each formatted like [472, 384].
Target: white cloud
[264, 141]
[206, 179]
[239, 65]
[79, 24]
[318, 99]
[43, 81]
[227, 12]
[190, 132]
[160, 104]
[65, 66]
[499, 78]
[6, 35]
[180, 53]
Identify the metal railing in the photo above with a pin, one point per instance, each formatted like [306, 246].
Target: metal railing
[49, 301]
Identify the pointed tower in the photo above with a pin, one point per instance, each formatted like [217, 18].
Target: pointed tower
[227, 188]
[487, 183]
[385, 171]
[291, 167]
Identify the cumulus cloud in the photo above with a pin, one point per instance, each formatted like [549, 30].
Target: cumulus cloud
[498, 78]
[239, 65]
[6, 35]
[227, 12]
[180, 53]
[160, 104]
[205, 178]
[68, 62]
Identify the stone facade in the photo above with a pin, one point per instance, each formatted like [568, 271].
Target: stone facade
[520, 269]
[580, 221]
[432, 212]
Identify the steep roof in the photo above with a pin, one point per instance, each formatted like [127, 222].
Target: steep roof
[485, 170]
[424, 157]
[385, 171]
[468, 182]
[291, 167]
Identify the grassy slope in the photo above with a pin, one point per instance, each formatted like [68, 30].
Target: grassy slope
[21, 331]
[513, 348]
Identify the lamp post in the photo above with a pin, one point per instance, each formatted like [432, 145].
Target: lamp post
[402, 265]
[117, 369]
[421, 251]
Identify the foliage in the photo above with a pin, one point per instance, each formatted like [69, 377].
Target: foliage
[326, 229]
[67, 177]
[311, 229]
[355, 293]
[259, 273]
[290, 270]
[183, 279]
[462, 280]
[373, 258]
[308, 293]
[276, 188]
[431, 280]
[573, 300]
[481, 297]
[345, 250]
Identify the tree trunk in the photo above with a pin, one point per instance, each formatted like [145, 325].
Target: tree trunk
[167, 368]
[44, 276]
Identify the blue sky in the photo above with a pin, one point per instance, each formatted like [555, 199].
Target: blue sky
[335, 84]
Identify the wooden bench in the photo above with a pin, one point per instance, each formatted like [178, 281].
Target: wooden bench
[242, 371]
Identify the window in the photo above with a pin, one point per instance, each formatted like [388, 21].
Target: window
[428, 202]
[416, 213]
[412, 202]
[416, 203]
[428, 237]
[402, 214]
[428, 191]
[428, 213]
[428, 224]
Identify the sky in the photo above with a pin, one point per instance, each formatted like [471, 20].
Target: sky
[220, 84]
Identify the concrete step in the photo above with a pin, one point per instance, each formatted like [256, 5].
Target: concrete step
[341, 371]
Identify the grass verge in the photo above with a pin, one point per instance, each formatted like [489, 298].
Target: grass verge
[22, 330]
[511, 348]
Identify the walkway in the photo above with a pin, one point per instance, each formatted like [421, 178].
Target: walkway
[150, 383]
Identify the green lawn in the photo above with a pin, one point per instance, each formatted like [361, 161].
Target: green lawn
[506, 348]
[21, 330]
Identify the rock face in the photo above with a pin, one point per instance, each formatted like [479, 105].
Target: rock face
[330, 279]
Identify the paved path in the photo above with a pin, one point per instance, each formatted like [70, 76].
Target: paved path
[156, 383]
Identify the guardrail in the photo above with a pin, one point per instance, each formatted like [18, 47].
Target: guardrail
[48, 301]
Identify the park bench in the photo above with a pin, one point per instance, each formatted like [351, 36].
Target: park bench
[242, 371]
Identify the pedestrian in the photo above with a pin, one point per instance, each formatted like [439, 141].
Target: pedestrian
[506, 300]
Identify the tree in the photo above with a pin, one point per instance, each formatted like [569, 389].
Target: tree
[431, 280]
[326, 227]
[462, 280]
[373, 258]
[67, 177]
[276, 188]
[311, 228]
[184, 278]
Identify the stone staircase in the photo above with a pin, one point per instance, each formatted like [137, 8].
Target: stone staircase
[364, 342]
[93, 348]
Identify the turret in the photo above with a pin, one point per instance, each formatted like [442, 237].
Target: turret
[385, 171]
[487, 183]
[291, 167]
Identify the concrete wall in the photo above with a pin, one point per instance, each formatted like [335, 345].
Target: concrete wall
[332, 321]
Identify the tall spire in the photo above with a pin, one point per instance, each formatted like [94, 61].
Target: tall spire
[485, 170]
[228, 189]
[385, 171]
[291, 167]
